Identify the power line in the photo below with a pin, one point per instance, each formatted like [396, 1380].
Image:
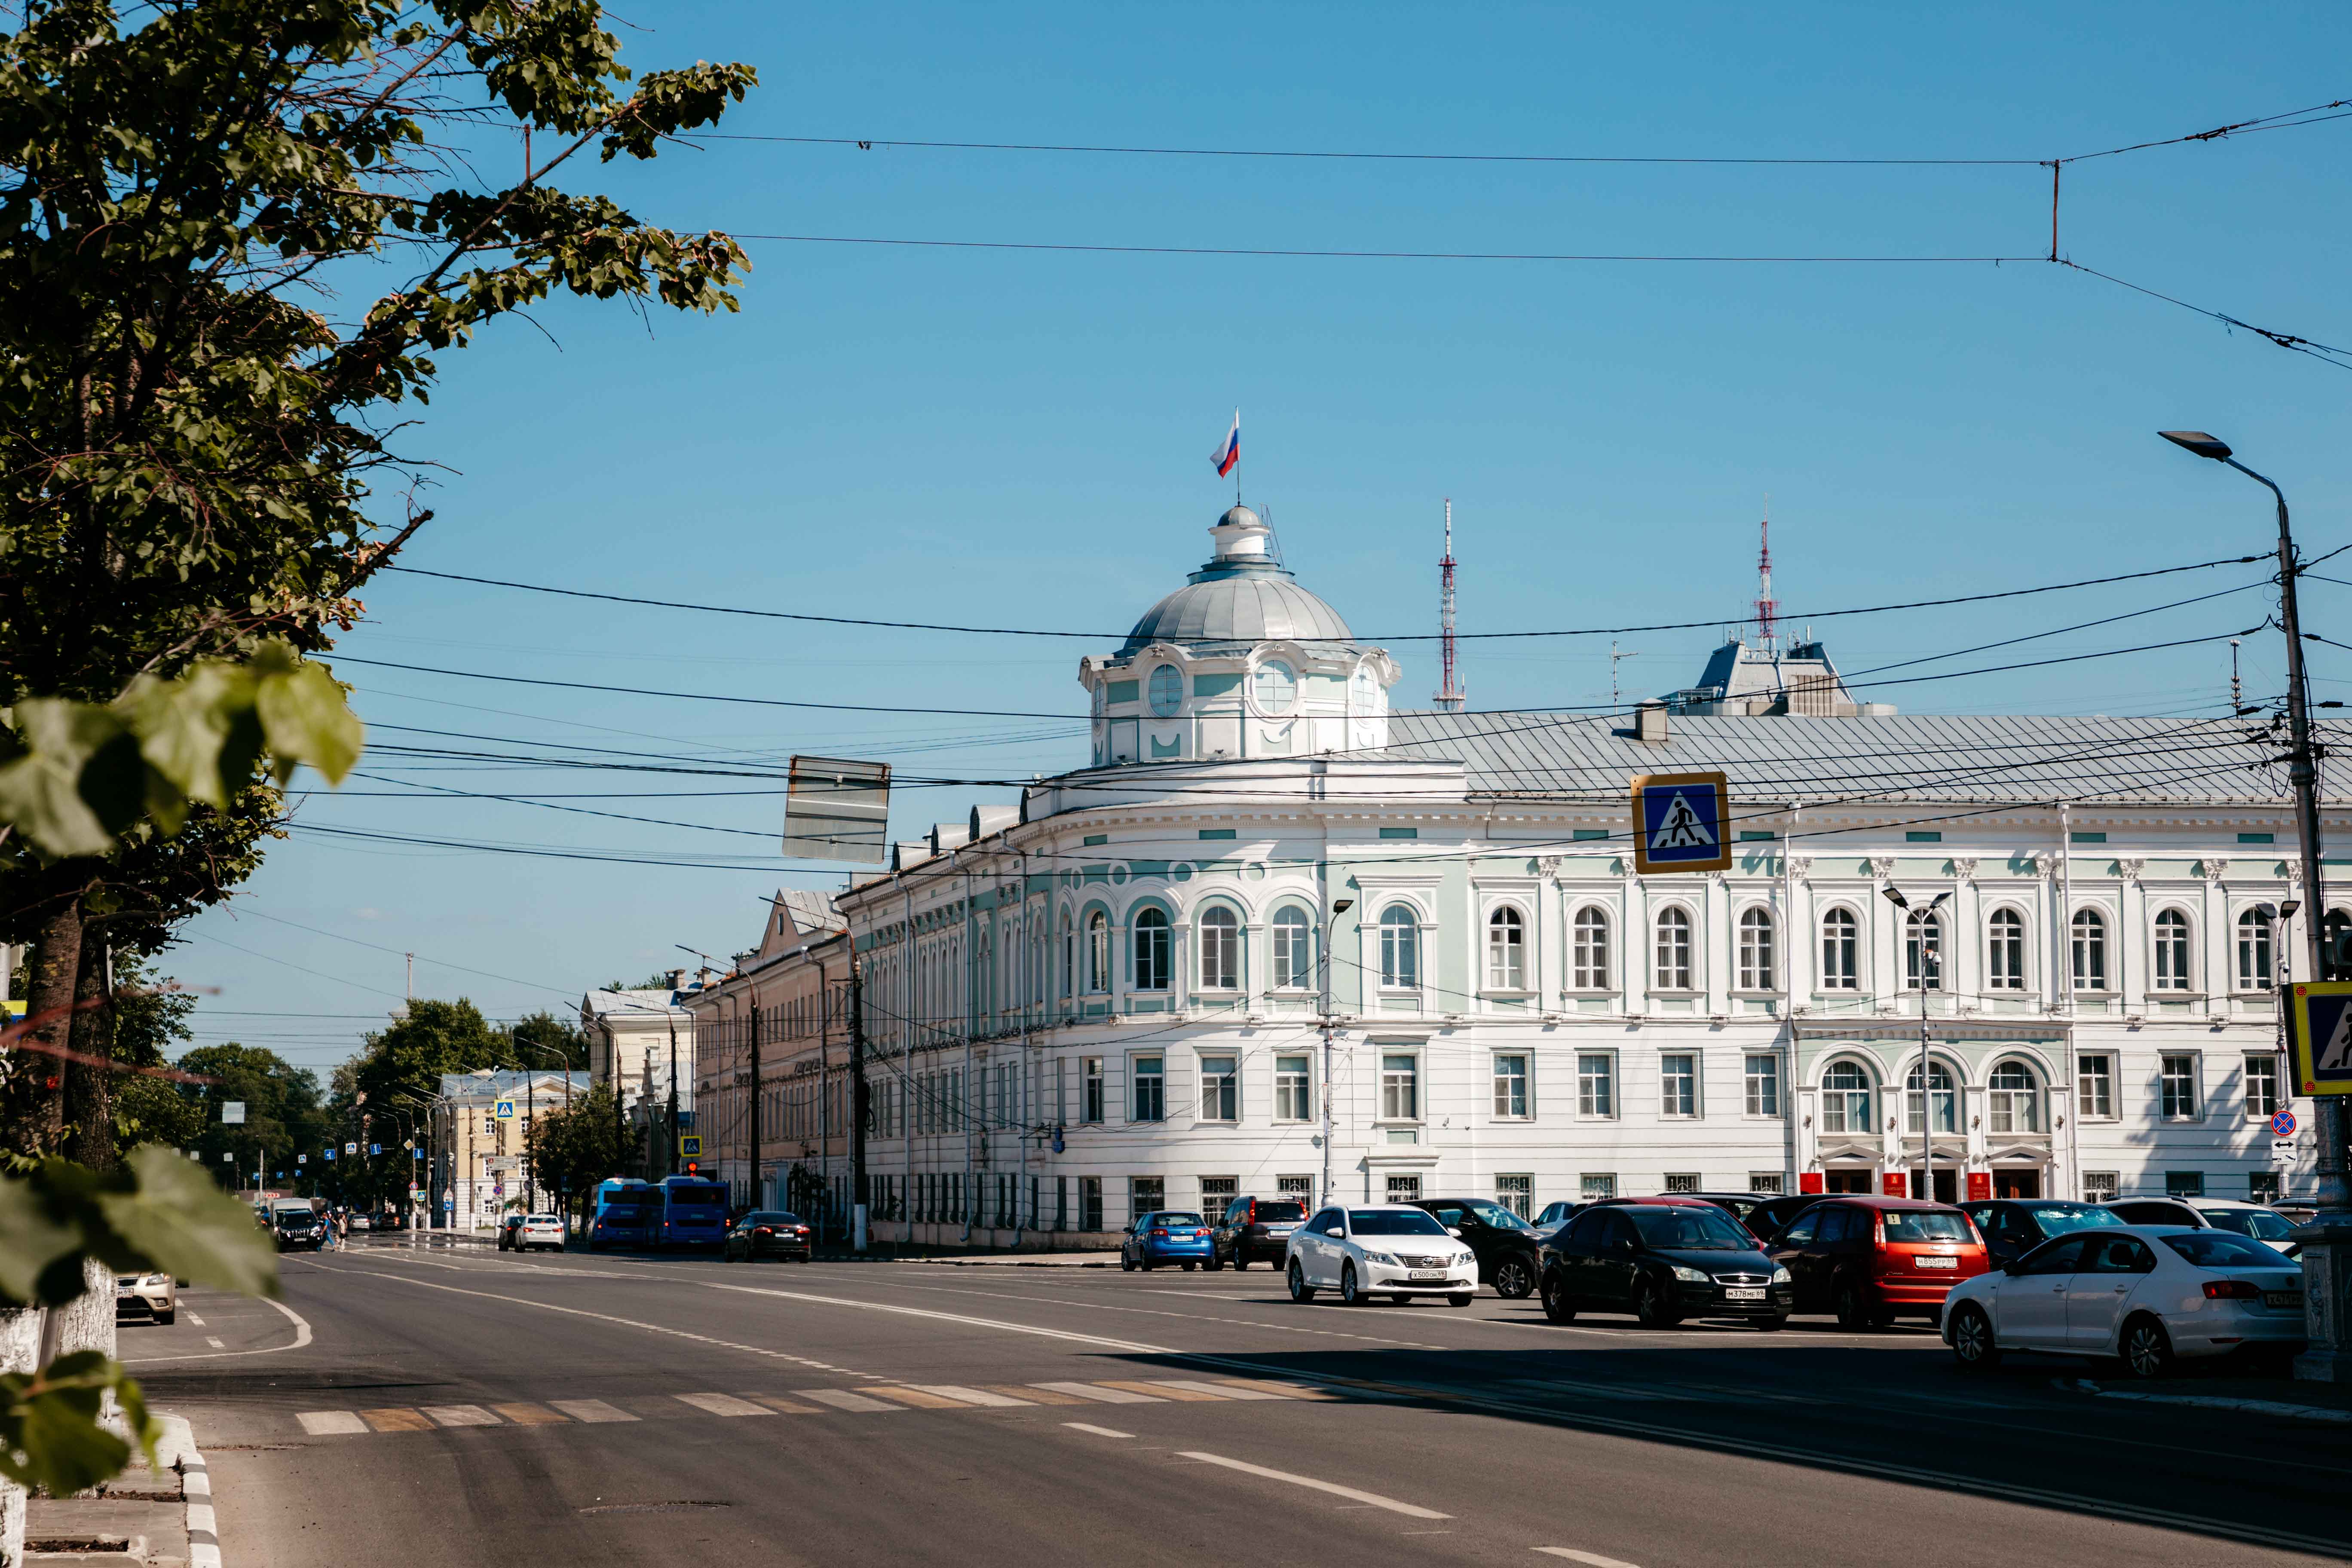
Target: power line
[2339, 358]
[1332, 254]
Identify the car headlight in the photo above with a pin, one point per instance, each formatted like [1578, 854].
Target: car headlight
[156, 1280]
[1694, 1276]
[1780, 1274]
[1467, 1259]
[1387, 1258]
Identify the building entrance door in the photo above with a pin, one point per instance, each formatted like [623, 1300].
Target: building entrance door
[1947, 1185]
[2017, 1183]
[1847, 1180]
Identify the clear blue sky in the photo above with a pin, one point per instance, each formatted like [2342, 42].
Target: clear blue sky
[1021, 438]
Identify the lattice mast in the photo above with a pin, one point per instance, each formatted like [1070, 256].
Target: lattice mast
[1450, 697]
[1767, 608]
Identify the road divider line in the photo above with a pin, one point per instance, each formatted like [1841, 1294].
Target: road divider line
[301, 1338]
[1098, 1431]
[1373, 1499]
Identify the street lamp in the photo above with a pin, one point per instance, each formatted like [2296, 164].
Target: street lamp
[1925, 916]
[2326, 1254]
[1323, 956]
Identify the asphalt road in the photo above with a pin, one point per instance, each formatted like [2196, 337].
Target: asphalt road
[452, 1406]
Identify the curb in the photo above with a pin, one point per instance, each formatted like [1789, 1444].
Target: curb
[2278, 1408]
[178, 1449]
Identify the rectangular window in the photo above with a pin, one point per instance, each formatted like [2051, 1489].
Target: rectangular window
[1758, 836]
[1061, 1203]
[1765, 1182]
[1681, 1180]
[2262, 1186]
[1400, 832]
[1404, 1189]
[1930, 835]
[1511, 1086]
[2262, 1086]
[1092, 839]
[1220, 1089]
[1217, 832]
[1763, 1085]
[1594, 1185]
[1587, 834]
[2099, 1187]
[1151, 1098]
[2176, 1088]
[1596, 1091]
[1678, 1086]
[1217, 1192]
[1294, 1093]
[2255, 838]
[2094, 1087]
[1299, 1190]
[2086, 837]
[1091, 1207]
[1090, 1089]
[1399, 1087]
[2184, 1184]
[1516, 1193]
[1144, 1195]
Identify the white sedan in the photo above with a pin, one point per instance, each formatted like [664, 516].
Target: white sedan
[2144, 1293]
[539, 1230]
[1380, 1251]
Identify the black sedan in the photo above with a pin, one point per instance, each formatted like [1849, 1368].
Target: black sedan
[1506, 1245]
[1662, 1259]
[766, 1233]
[2013, 1227]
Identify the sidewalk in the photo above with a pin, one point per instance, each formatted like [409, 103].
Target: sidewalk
[154, 1517]
[2280, 1397]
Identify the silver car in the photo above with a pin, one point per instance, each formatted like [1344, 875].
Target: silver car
[154, 1295]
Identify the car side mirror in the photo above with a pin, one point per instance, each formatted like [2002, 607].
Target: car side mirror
[1334, 1231]
[1451, 1231]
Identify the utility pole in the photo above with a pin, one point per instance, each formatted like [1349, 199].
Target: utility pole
[757, 1198]
[860, 1100]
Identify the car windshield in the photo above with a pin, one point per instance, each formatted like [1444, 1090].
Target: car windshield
[1281, 1214]
[1693, 1228]
[1177, 1217]
[1393, 1222]
[1497, 1215]
[2260, 1224]
[1926, 1225]
[2056, 1220]
[2225, 1249]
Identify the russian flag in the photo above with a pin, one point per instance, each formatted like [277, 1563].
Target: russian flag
[1229, 450]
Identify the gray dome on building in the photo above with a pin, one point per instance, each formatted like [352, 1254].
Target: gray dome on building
[1244, 595]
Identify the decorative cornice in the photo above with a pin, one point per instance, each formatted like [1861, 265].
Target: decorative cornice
[1881, 865]
[2213, 867]
[2045, 863]
[1965, 868]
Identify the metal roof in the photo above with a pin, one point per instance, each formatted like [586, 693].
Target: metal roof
[1244, 595]
[1909, 757]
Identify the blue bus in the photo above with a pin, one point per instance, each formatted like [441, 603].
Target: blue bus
[626, 1213]
[694, 1212]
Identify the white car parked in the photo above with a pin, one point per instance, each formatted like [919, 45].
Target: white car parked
[2144, 1293]
[1390, 1250]
[539, 1230]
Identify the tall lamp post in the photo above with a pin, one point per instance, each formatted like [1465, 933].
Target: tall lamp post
[2327, 1240]
[1926, 917]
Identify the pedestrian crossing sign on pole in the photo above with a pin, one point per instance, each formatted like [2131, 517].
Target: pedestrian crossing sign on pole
[2319, 1016]
[689, 1145]
[505, 1111]
[1680, 823]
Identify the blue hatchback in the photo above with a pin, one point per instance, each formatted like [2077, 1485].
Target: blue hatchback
[1167, 1235]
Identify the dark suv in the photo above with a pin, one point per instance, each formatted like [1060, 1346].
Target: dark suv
[1662, 1259]
[1506, 1245]
[299, 1228]
[1255, 1230]
[2012, 1227]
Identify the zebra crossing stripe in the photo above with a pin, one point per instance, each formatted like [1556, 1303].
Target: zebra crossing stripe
[723, 1404]
[985, 1397]
[396, 1420]
[460, 1416]
[330, 1423]
[842, 1399]
[591, 1411]
[530, 1414]
[919, 1398]
[1178, 1391]
[1100, 1395]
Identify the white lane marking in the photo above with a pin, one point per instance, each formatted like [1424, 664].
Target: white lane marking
[971, 1395]
[460, 1416]
[843, 1399]
[591, 1411]
[301, 1338]
[199, 1322]
[942, 1316]
[1101, 1395]
[1374, 1499]
[723, 1404]
[330, 1423]
[1589, 1559]
[1221, 1390]
[1098, 1431]
[216, 1343]
[1286, 1327]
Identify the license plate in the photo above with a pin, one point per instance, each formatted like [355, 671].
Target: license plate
[1429, 1274]
[1936, 1262]
[1744, 1293]
[2283, 1299]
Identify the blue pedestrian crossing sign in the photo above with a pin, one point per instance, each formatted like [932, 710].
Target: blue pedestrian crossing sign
[689, 1145]
[505, 1111]
[2320, 1018]
[1679, 822]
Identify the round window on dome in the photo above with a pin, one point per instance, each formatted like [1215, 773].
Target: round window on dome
[1275, 688]
[1167, 689]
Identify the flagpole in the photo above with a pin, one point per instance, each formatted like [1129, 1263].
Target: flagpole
[1237, 458]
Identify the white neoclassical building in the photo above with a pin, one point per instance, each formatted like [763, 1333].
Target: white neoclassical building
[1279, 939]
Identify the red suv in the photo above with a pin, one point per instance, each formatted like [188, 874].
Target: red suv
[1871, 1259]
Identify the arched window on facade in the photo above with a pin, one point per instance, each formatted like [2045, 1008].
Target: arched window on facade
[2013, 1101]
[2172, 970]
[1845, 1098]
[1939, 1085]
[1221, 950]
[1757, 968]
[1400, 946]
[2254, 951]
[1923, 951]
[1840, 951]
[1506, 951]
[1098, 951]
[1588, 949]
[2005, 952]
[2090, 948]
[1674, 949]
[1154, 949]
[1294, 957]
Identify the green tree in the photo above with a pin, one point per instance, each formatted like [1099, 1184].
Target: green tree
[547, 1039]
[574, 1149]
[284, 1113]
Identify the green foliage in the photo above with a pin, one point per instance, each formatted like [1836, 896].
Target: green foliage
[437, 1037]
[546, 1040]
[50, 1438]
[153, 1110]
[284, 1115]
[572, 1150]
[159, 1214]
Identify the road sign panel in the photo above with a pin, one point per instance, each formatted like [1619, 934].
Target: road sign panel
[689, 1145]
[350, 1148]
[1681, 822]
[2319, 1017]
[374, 1149]
[506, 1112]
[2282, 1124]
[231, 1112]
[448, 1202]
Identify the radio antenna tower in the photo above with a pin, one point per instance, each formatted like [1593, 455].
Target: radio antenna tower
[1767, 608]
[1450, 697]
